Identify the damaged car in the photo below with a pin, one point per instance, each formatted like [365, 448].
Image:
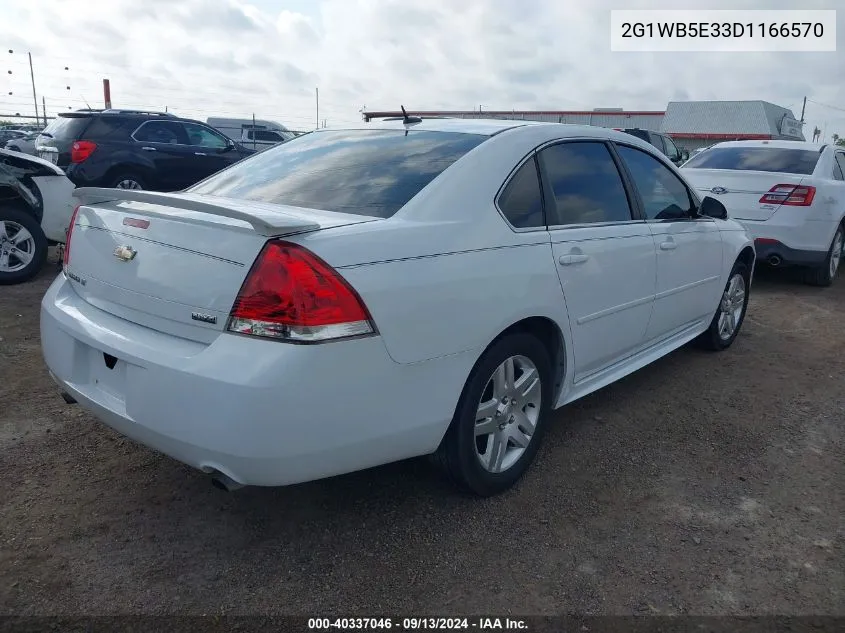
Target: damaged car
[36, 204]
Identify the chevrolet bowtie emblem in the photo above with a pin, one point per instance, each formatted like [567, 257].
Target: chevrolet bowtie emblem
[125, 253]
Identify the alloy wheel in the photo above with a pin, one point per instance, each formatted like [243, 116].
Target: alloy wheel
[507, 414]
[731, 307]
[17, 247]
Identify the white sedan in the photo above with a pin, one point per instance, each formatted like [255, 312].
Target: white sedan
[355, 297]
[789, 195]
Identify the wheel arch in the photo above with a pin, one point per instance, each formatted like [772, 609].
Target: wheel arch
[748, 256]
[125, 168]
[550, 334]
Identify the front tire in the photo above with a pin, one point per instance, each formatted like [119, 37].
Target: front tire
[730, 314]
[23, 246]
[500, 417]
[824, 275]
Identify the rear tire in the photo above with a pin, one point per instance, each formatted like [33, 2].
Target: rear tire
[128, 180]
[23, 246]
[730, 314]
[824, 275]
[487, 454]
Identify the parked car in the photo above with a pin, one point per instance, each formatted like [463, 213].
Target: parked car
[129, 149]
[358, 296]
[24, 144]
[789, 195]
[11, 134]
[256, 134]
[36, 204]
[661, 142]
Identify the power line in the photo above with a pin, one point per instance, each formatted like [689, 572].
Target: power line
[825, 105]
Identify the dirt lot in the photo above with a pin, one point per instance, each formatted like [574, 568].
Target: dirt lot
[704, 484]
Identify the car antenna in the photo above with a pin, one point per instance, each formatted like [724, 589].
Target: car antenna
[409, 119]
[86, 101]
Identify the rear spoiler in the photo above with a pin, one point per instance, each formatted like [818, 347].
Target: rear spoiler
[266, 223]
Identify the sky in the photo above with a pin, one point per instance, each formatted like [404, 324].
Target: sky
[201, 58]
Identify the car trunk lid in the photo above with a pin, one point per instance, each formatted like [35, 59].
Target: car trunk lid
[741, 191]
[175, 262]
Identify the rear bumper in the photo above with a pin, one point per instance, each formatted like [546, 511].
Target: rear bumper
[261, 412]
[803, 244]
[775, 253]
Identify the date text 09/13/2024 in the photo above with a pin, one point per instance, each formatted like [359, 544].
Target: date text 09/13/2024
[418, 624]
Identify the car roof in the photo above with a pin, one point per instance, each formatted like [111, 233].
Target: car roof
[492, 127]
[805, 145]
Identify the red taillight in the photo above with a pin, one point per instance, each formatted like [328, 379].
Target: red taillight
[66, 256]
[81, 150]
[292, 295]
[791, 195]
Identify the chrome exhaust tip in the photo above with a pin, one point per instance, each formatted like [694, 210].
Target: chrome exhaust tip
[224, 482]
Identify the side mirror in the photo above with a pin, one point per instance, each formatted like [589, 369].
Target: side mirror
[712, 208]
[684, 155]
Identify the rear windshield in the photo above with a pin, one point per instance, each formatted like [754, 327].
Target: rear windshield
[66, 128]
[773, 159]
[364, 172]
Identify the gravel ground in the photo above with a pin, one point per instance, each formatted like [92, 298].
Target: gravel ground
[703, 484]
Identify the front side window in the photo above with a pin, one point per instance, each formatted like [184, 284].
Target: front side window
[671, 148]
[365, 172]
[663, 194]
[521, 201]
[585, 184]
[201, 136]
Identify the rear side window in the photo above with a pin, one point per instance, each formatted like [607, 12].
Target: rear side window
[772, 159]
[521, 201]
[585, 183]
[102, 127]
[169, 132]
[67, 128]
[839, 166]
[364, 172]
[264, 135]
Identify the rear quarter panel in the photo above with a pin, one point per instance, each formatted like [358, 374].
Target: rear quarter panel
[434, 306]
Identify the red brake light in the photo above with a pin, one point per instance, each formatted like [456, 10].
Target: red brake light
[290, 294]
[81, 150]
[66, 255]
[790, 195]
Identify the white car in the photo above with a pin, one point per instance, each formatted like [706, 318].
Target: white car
[36, 204]
[789, 195]
[24, 144]
[359, 296]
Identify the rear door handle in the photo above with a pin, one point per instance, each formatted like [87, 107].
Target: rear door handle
[200, 154]
[573, 258]
[668, 246]
[149, 149]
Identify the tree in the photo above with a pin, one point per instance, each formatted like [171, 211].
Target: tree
[836, 139]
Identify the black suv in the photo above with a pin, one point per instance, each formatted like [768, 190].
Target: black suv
[661, 142]
[130, 149]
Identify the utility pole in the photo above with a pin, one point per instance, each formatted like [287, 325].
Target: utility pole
[107, 94]
[34, 98]
[803, 107]
[317, 92]
[44, 109]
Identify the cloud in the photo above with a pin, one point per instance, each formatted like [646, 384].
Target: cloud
[206, 57]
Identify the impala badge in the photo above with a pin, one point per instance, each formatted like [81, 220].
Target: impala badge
[205, 318]
[718, 190]
[125, 253]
